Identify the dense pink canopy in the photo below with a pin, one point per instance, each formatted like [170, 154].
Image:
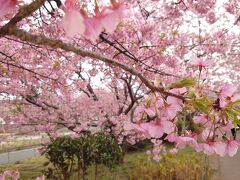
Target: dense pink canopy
[162, 70]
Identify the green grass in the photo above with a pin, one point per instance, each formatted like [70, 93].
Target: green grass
[29, 169]
[185, 165]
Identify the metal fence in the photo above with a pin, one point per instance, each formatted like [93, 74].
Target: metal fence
[12, 157]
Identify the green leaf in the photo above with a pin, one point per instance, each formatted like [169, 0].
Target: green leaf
[202, 105]
[186, 82]
[235, 103]
[231, 113]
[237, 110]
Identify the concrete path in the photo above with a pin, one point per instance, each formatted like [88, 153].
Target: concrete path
[14, 156]
[230, 167]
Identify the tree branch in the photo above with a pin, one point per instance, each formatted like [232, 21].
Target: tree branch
[24, 12]
[42, 40]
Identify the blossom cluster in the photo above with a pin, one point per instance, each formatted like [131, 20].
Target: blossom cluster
[14, 175]
[10, 174]
[77, 21]
[202, 118]
[6, 6]
[47, 91]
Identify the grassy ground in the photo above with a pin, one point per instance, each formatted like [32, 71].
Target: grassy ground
[186, 165]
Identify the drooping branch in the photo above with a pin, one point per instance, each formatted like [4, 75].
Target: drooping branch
[50, 105]
[89, 87]
[27, 69]
[24, 12]
[123, 50]
[33, 102]
[53, 43]
[132, 97]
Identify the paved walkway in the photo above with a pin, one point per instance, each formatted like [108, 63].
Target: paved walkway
[230, 167]
[14, 156]
[226, 168]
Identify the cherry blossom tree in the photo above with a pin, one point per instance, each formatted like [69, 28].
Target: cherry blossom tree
[135, 69]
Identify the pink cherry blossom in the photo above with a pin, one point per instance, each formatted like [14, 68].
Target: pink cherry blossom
[230, 7]
[79, 129]
[157, 129]
[173, 103]
[170, 107]
[222, 148]
[152, 129]
[202, 119]
[170, 110]
[156, 150]
[173, 151]
[70, 4]
[224, 128]
[200, 63]
[41, 178]
[6, 6]
[111, 17]
[178, 91]
[74, 135]
[133, 126]
[40, 150]
[73, 23]
[148, 152]
[50, 82]
[232, 147]
[2, 177]
[227, 94]
[172, 137]
[128, 126]
[207, 148]
[227, 90]
[168, 126]
[76, 22]
[149, 110]
[207, 133]
[156, 158]
[211, 17]
[15, 175]
[93, 28]
[182, 141]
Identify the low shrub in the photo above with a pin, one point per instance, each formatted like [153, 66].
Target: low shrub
[70, 157]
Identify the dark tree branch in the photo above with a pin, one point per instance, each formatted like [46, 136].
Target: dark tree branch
[127, 53]
[24, 12]
[89, 87]
[42, 40]
[26, 69]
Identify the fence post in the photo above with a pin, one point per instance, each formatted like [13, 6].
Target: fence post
[8, 157]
